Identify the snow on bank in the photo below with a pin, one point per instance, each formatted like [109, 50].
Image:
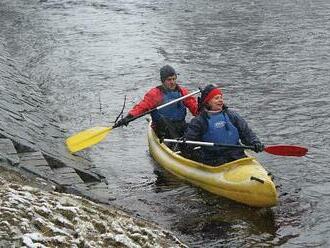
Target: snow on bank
[32, 217]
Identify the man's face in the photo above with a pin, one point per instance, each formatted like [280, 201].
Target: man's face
[170, 82]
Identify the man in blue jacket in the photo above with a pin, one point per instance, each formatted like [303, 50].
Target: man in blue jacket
[168, 122]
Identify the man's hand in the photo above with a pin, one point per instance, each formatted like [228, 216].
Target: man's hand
[124, 121]
[258, 147]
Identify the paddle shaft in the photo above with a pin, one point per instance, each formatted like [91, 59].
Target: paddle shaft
[160, 107]
[207, 144]
[281, 150]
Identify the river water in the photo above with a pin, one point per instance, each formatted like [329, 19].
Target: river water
[272, 60]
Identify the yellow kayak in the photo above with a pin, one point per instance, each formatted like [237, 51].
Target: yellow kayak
[243, 180]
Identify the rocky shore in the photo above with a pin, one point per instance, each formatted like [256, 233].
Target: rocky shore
[33, 214]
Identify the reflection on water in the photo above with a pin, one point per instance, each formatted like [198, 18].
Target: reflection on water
[272, 59]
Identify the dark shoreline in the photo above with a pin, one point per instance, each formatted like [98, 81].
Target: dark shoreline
[33, 140]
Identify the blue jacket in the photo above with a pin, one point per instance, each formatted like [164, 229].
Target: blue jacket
[199, 126]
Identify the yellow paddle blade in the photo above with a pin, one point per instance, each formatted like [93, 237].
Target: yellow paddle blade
[86, 138]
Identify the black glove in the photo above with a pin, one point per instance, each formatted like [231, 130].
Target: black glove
[124, 121]
[258, 147]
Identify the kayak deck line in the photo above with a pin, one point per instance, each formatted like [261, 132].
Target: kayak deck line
[257, 179]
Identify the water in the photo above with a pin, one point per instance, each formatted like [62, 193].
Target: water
[272, 60]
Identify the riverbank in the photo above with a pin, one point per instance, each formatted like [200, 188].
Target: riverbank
[33, 214]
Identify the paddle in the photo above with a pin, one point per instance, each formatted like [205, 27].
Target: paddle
[94, 135]
[282, 150]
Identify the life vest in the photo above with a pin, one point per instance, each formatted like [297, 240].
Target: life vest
[220, 130]
[174, 112]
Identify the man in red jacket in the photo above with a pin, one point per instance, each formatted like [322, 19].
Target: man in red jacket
[168, 122]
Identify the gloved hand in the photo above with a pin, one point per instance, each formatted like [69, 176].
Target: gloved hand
[258, 147]
[124, 121]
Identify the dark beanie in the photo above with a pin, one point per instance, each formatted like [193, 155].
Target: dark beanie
[166, 71]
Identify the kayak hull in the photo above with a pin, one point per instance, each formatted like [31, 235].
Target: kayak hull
[244, 180]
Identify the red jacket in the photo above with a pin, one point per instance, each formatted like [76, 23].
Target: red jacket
[154, 97]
